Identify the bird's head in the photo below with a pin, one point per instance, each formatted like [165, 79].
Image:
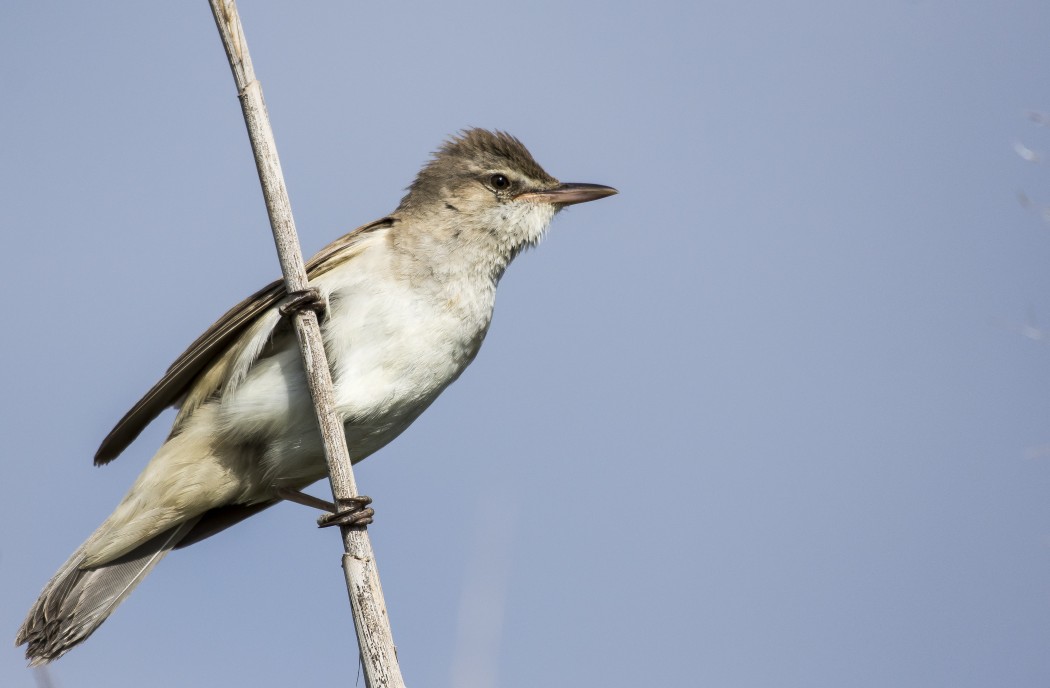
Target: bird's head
[488, 182]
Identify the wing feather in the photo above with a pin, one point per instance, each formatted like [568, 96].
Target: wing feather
[209, 362]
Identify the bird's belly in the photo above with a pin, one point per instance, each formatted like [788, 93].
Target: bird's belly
[391, 356]
[390, 359]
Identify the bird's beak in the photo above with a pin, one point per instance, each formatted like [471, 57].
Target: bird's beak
[568, 194]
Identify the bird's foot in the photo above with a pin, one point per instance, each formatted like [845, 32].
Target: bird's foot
[353, 511]
[307, 299]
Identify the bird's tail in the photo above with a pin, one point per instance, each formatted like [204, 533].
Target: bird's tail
[77, 599]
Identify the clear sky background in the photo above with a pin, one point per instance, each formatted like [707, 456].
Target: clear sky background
[776, 415]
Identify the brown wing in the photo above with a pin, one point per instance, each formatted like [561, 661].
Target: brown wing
[170, 388]
[214, 342]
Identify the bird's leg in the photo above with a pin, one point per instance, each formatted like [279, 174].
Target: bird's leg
[304, 499]
[306, 299]
[352, 513]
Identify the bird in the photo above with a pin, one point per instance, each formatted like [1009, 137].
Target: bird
[406, 302]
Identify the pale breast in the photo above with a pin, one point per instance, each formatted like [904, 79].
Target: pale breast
[394, 344]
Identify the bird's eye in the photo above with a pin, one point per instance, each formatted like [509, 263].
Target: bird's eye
[499, 182]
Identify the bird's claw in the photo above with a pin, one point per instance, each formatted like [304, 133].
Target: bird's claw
[306, 299]
[351, 512]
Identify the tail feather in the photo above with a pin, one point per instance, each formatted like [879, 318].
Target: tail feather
[77, 600]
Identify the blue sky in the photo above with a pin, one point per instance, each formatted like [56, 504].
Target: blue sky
[774, 415]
